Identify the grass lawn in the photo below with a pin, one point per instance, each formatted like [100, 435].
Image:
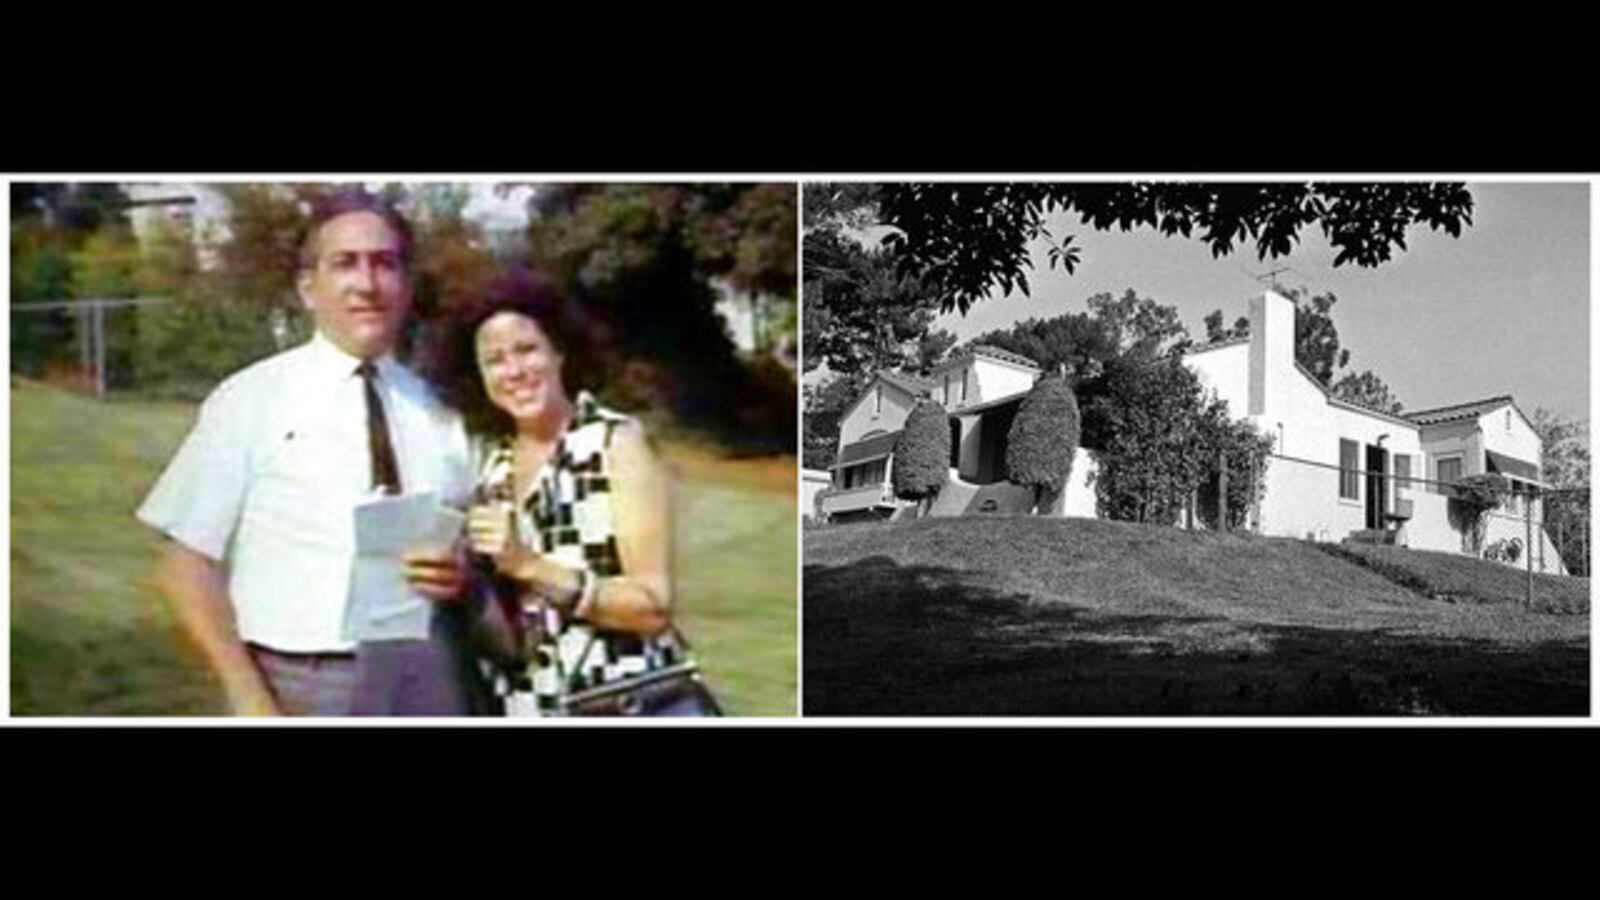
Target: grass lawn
[1019, 616]
[1461, 579]
[89, 637]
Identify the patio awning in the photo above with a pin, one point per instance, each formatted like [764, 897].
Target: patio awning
[1516, 468]
[865, 451]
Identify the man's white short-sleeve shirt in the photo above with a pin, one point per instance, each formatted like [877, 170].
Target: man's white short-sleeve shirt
[269, 478]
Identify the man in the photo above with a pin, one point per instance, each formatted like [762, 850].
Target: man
[259, 500]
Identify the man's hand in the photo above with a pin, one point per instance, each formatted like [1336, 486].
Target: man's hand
[199, 592]
[438, 574]
[252, 702]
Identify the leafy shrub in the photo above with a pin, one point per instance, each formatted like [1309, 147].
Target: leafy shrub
[922, 454]
[1043, 438]
[1472, 497]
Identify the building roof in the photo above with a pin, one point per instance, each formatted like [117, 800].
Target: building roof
[1459, 411]
[1349, 404]
[991, 351]
[1003, 355]
[987, 405]
[913, 384]
[871, 448]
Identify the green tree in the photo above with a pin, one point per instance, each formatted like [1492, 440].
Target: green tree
[921, 464]
[1084, 345]
[861, 315]
[965, 240]
[1227, 443]
[41, 272]
[258, 254]
[50, 225]
[1215, 332]
[642, 259]
[825, 404]
[1565, 467]
[1043, 439]
[106, 265]
[1470, 499]
[1140, 325]
[836, 205]
[1161, 441]
[932, 350]
[1148, 436]
[1316, 338]
[1367, 389]
[1075, 342]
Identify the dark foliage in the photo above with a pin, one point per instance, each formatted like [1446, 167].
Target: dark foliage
[643, 258]
[921, 464]
[824, 406]
[1160, 441]
[965, 240]
[1044, 437]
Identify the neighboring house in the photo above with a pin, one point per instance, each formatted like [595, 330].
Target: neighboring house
[1339, 470]
[867, 434]
[812, 483]
[197, 210]
[981, 388]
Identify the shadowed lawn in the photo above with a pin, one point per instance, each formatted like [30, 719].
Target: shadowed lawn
[1019, 616]
[89, 638]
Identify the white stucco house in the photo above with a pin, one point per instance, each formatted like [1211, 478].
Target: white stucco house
[1338, 470]
[981, 388]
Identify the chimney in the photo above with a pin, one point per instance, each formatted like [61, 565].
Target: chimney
[1271, 351]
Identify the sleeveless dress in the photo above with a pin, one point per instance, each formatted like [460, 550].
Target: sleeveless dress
[567, 516]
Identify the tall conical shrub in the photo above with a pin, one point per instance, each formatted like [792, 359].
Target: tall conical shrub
[1044, 437]
[922, 454]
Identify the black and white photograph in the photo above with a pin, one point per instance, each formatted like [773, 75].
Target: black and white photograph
[1258, 447]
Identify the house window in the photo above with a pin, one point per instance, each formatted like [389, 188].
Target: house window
[1402, 473]
[1349, 477]
[964, 373]
[1515, 498]
[1449, 472]
[865, 474]
[947, 390]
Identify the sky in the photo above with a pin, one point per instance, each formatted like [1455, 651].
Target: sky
[1503, 309]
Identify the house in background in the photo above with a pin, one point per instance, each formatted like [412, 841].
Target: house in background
[812, 483]
[867, 434]
[981, 387]
[1340, 470]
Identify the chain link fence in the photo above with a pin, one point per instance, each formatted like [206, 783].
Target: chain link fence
[150, 346]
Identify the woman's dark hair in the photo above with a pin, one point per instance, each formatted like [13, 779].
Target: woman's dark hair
[450, 357]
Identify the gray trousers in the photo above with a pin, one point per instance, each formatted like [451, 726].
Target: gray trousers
[435, 677]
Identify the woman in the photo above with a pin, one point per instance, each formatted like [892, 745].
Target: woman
[573, 516]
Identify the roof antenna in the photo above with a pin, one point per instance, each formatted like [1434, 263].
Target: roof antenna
[1270, 278]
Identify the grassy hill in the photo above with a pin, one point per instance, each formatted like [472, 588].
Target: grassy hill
[1022, 616]
[89, 638]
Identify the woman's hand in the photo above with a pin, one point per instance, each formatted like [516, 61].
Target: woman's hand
[492, 532]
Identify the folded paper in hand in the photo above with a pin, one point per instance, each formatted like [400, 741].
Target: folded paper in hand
[382, 605]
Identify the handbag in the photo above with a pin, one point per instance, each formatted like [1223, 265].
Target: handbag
[506, 636]
[678, 688]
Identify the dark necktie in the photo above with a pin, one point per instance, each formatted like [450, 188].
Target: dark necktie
[385, 471]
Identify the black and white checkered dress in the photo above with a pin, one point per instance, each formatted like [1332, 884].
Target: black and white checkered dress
[567, 516]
